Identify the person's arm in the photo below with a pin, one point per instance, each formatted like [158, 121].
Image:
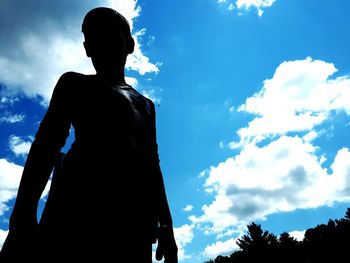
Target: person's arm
[167, 247]
[45, 149]
[162, 207]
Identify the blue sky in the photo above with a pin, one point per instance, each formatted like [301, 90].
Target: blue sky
[253, 110]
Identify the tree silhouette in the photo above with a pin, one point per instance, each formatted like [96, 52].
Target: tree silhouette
[257, 244]
[288, 249]
[325, 243]
[347, 214]
[328, 242]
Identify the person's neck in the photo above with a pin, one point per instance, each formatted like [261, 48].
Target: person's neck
[111, 78]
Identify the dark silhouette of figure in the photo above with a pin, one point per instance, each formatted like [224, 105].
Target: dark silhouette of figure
[107, 201]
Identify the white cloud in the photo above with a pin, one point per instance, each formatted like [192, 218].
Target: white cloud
[7, 98]
[260, 5]
[203, 173]
[139, 62]
[8, 117]
[298, 235]
[18, 146]
[284, 175]
[128, 8]
[131, 81]
[3, 235]
[152, 95]
[183, 236]
[188, 208]
[48, 42]
[300, 96]
[310, 136]
[221, 248]
[10, 174]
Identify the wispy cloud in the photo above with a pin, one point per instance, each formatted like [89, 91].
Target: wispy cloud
[188, 208]
[6, 100]
[244, 5]
[153, 95]
[8, 117]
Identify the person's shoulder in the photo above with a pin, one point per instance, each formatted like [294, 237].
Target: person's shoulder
[141, 97]
[70, 83]
[73, 76]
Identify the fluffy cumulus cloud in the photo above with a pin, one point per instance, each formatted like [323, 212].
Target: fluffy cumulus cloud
[284, 175]
[259, 5]
[278, 167]
[300, 95]
[183, 236]
[10, 174]
[19, 146]
[41, 40]
[221, 248]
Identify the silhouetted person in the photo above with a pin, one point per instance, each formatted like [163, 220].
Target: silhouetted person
[107, 201]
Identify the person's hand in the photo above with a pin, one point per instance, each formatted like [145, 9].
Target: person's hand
[167, 247]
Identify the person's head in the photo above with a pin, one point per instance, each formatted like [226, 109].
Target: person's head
[108, 39]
